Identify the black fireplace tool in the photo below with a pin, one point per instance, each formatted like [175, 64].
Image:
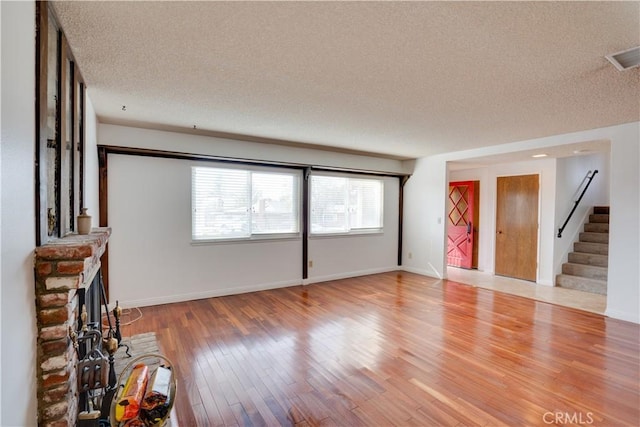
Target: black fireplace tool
[111, 344]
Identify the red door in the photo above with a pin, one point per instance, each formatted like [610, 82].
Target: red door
[460, 233]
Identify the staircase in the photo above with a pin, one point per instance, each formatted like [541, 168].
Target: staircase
[588, 263]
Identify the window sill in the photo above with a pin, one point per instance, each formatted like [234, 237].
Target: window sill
[252, 239]
[376, 232]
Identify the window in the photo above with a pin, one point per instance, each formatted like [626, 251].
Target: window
[232, 203]
[346, 205]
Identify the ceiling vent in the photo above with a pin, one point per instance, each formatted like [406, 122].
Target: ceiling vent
[626, 59]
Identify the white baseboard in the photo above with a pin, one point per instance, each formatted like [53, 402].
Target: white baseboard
[621, 315]
[347, 275]
[168, 299]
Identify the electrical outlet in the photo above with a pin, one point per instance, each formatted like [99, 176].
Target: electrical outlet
[410, 255]
[310, 264]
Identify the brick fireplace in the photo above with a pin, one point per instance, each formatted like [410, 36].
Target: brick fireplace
[64, 268]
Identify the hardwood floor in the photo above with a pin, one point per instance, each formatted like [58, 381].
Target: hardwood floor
[395, 349]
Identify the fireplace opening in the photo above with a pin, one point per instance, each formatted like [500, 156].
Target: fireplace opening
[91, 299]
[92, 367]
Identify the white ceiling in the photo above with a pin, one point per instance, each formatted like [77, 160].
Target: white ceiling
[403, 79]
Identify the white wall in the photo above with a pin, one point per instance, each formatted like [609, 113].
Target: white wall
[424, 235]
[17, 207]
[425, 196]
[486, 248]
[570, 174]
[152, 259]
[18, 357]
[186, 143]
[623, 297]
[348, 256]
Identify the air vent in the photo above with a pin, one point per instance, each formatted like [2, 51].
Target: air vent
[626, 59]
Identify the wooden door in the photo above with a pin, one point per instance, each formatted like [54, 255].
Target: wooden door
[460, 226]
[517, 227]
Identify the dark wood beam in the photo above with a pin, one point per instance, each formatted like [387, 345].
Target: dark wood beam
[103, 200]
[402, 181]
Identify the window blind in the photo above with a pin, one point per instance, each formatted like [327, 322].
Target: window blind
[274, 203]
[235, 203]
[343, 205]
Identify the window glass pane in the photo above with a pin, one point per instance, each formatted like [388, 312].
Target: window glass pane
[53, 154]
[220, 203]
[365, 203]
[329, 204]
[274, 203]
[235, 203]
[67, 216]
[341, 205]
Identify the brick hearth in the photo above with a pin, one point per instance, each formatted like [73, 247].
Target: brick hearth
[61, 268]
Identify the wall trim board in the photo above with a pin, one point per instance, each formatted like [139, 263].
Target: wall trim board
[158, 139]
[247, 138]
[208, 294]
[622, 316]
[148, 152]
[349, 275]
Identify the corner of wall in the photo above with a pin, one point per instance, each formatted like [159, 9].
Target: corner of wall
[18, 366]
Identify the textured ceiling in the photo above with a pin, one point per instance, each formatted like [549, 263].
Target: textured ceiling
[405, 79]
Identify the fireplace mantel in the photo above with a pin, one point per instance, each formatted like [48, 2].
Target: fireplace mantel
[61, 268]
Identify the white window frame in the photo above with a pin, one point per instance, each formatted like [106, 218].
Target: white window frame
[349, 231]
[251, 237]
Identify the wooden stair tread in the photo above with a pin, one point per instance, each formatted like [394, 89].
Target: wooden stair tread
[601, 210]
[601, 218]
[584, 284]
[585, 270]
[596, 227]
[591, 247]
[589, 259]
[585, 279]
[594, 237]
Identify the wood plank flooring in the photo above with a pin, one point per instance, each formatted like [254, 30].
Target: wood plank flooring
[395, 349]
